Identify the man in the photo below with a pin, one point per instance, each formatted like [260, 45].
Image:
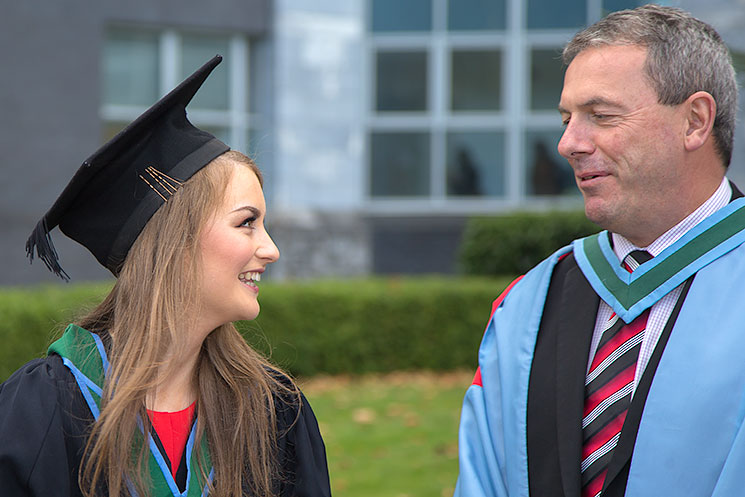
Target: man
[601, 374]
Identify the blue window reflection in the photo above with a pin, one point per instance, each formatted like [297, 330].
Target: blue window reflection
[473, 15]
[475, 164]
[401, 15]
[550, 14]
[399, 164]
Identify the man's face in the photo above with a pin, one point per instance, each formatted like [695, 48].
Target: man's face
[625, 149]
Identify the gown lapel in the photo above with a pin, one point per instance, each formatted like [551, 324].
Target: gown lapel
[556, 392]
[579, 307]
[84, 354]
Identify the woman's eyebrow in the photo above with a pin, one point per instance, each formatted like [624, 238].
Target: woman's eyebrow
[256, 212]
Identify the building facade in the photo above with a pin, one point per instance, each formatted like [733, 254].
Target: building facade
[381, 125]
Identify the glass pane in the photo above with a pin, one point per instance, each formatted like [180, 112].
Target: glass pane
[614, 5]
[259, 93]
[398, 15]
[547, 173]
[475, 164]
[476, 80]
[546, 78]
[196, 50]
[130, 68]
[476, 15]
[401, 81]
[399, 164]
[547, 14]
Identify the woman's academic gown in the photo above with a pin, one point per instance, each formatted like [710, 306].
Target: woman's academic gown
[44, 420]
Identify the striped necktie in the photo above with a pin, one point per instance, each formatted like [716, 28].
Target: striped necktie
[608, 389]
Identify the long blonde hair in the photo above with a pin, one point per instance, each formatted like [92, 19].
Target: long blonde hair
[152, 301]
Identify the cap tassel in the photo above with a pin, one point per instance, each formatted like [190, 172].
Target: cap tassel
[42, 241]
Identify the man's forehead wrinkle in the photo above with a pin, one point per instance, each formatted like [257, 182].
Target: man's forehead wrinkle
[589, 103]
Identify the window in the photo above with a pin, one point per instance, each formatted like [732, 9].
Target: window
[475, 80]
[395, 15]
[549, 14]
[401, 81]
[473, 165]
[477, 15]
[463, 97]
[546, 79]
[400, 163]
[141, 65]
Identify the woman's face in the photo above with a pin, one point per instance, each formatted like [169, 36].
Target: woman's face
[235, 249]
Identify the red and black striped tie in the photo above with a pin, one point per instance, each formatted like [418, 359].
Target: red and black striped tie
[608, 389]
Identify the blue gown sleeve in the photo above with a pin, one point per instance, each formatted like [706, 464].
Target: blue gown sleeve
[38, 451]
[481, 441]
[480, 470]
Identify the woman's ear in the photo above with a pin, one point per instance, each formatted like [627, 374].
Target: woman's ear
[701, 110]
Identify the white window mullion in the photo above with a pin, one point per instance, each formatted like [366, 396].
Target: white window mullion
[170, 60]
[438, 105]
[515, 74]
[238, 88]
[438, 114]
[594, 11]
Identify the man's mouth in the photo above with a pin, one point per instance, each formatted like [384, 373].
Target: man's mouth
[591, 176]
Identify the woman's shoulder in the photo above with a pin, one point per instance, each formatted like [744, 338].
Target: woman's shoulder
[292, 408]
[284, 388]
[40, 389]
[36, 388]
[41, 374]
[41, 425]
[302, 451]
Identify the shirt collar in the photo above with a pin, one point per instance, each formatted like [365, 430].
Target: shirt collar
[721, 197]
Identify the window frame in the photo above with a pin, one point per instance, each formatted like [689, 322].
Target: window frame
[238, 119]
[515, 119]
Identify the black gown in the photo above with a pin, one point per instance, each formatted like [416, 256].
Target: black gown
[44, 420]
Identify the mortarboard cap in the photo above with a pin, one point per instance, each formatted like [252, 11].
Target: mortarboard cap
[116, 191]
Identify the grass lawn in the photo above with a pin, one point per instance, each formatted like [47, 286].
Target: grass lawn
[392, 435]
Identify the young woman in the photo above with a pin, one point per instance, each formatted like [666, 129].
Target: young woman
[155, 392]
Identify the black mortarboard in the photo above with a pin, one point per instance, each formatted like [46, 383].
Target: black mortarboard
[116, 191]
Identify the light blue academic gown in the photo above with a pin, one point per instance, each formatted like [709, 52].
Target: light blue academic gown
[690, 440]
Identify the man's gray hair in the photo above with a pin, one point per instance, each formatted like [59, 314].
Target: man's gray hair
[684, 55]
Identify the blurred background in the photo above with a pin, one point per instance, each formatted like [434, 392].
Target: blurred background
[381, 125]
[409, 152]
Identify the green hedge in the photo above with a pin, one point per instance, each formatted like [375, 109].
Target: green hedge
[31, 318]
[346, 326]
[512, 244]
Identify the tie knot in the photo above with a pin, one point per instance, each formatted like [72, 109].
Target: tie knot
[635, 259]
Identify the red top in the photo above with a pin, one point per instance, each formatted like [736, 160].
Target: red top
[173, 429]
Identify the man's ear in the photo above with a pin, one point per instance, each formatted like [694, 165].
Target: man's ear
[701, 110]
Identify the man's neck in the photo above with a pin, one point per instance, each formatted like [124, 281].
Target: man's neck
[721, 197]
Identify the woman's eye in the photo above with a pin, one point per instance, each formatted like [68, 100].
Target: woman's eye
[248, 223]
